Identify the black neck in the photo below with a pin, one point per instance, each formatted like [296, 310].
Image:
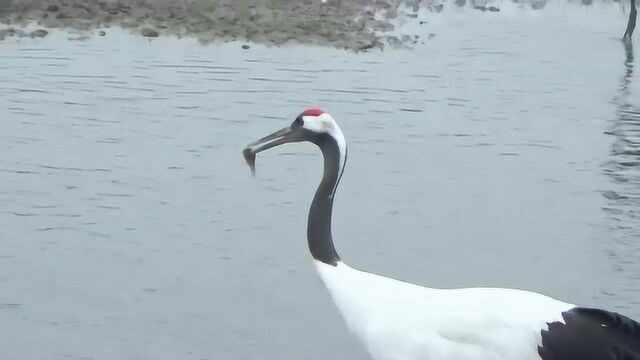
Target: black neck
[319, 224]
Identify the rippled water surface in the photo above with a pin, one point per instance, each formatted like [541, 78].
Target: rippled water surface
[505, 151]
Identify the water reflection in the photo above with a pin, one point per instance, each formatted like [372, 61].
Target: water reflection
[623, 199]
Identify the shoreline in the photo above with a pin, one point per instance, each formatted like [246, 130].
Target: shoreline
[351, 25]
[354, 25]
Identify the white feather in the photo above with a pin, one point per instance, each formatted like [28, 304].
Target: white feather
[397, 320]
[325, 123]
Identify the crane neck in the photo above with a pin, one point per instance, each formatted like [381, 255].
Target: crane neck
[319, 235]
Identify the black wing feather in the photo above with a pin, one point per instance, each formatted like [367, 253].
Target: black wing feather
[591, 334]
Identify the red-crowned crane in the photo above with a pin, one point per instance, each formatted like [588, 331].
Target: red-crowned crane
[396, 320]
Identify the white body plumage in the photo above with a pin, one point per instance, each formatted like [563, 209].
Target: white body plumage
[397, 320]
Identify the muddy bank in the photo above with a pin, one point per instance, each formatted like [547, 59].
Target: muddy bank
[350, 24]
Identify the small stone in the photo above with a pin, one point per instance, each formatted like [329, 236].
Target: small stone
[382, 4]
[538, 4]
[393, 41]
[40, 33]
[53, 8]
[148, 32]
[363, 45]
[15, 32]
[79, 37]
[245, 46]
[382, 26]
[102, 33]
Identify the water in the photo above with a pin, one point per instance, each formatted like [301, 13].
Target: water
[503, 152]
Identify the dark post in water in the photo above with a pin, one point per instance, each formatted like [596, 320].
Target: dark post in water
[631, 25]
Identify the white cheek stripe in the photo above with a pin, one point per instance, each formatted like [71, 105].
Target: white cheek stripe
[326, 124]
[342, 149]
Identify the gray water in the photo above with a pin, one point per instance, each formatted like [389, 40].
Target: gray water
[505, 151]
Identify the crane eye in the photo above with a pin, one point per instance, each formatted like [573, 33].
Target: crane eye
[297, 123]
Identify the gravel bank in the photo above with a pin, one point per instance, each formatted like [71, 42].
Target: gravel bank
[357, 25]
[350, 24]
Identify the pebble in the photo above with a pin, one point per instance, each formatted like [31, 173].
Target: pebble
[382, 26]
[245, 46]
[12, 32]
[148, 32]
[40, 33]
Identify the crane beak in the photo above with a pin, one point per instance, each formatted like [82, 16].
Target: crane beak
[279, 137]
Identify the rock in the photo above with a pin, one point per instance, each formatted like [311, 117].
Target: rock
[13, 32]
[363, 45]
[393, 41]
[79, 37]
[102, 33]
[382, 26]
[538, 4]
[53, 8]
[246, 47]
[40, 33]
[149, 32]
[381, 4]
